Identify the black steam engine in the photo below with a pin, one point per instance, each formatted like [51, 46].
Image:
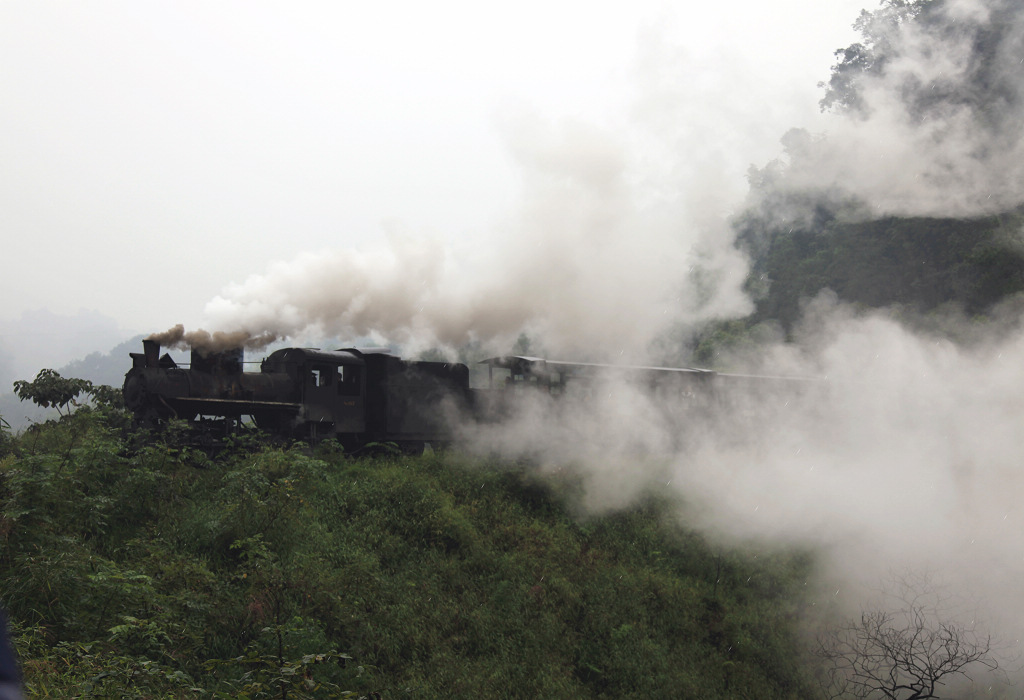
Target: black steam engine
[357, 396]
[360, 396]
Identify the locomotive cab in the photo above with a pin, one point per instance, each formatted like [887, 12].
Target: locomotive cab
[331, 387]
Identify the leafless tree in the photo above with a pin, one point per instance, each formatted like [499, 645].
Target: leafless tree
[907, 650]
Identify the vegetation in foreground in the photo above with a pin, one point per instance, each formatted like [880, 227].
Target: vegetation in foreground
[146, 569]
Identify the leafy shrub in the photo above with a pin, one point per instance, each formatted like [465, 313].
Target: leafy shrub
[154, 571]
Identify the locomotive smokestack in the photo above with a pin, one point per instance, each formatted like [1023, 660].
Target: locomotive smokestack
[151, 349]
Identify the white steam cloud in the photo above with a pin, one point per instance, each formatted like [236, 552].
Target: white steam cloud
[586, 263]
[906, 458]
[619, 233]
[938, 129]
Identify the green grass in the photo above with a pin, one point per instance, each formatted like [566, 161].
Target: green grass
[154, 571]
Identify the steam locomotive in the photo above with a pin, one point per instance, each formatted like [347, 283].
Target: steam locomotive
[361, 396]
[355, 395]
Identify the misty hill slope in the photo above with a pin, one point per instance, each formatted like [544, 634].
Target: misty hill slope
[99, 368]
[912, 196]
[41, 338]
[918, 263]
[155, 572]
[105, 368]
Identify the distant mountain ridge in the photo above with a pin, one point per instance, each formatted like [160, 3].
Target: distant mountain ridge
[97, 367]
[42, 338]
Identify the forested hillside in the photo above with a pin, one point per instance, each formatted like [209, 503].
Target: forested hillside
[917, 263]
[135, 567]
[912, 199]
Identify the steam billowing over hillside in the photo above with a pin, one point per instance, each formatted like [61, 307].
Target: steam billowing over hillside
[585, 262]
[610, 246]
[929, 116]
[907, 456]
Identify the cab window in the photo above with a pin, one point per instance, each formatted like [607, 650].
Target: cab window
[319, 375]
[348, 380]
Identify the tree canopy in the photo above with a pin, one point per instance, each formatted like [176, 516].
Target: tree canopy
[934, 58]
[50, 389]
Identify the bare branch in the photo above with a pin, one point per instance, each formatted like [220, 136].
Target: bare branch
[906, 651]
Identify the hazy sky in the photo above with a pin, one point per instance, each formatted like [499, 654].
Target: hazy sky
[155, 153]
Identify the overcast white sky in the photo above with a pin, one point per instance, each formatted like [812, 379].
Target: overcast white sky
[153, 153]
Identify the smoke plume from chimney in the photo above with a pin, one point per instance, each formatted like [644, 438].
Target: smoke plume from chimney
[586, 263]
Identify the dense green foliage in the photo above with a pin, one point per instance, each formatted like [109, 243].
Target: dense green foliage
[146, 569]
[50, 389]
[921, 264]
[915, 267]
